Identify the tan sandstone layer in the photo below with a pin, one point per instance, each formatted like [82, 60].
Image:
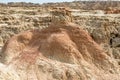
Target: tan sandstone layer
[59, 52]
[62, 51]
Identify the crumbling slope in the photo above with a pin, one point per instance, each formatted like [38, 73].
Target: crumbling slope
[59, 52]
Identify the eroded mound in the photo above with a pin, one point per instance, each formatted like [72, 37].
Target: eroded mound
[59, 52]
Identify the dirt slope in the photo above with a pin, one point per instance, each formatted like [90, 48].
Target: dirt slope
[59, 52]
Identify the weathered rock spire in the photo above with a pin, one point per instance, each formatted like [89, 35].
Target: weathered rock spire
[61, 15]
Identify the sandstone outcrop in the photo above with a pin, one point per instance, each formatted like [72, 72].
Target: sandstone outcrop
[104, 28]
[62, 51]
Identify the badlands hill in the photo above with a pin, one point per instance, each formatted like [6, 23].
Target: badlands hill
[59, 52]
[62, 51]
[35, 47]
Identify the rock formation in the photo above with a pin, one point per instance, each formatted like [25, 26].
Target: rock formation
[62, 51]
[103, 28]
[61, 15]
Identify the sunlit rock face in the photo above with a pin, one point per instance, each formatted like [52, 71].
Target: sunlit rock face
[61, 15]
[8, 73]
[62, 51]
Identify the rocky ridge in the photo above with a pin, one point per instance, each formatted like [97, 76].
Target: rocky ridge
[103, 28]
[58, 52]
[62, 51]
